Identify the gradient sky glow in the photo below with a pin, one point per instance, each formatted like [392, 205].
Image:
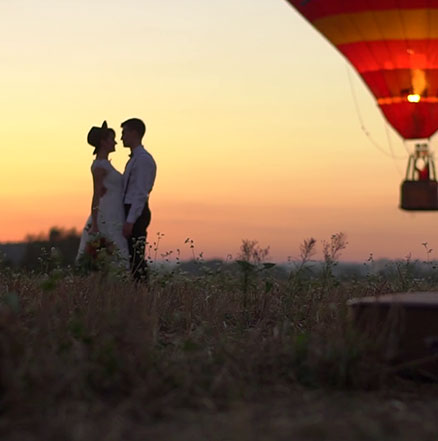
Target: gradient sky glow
[250, 118]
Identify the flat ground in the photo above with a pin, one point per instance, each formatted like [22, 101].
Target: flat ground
[307, 415]
[408, 412]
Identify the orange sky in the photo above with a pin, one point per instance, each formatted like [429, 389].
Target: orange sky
[250, 118]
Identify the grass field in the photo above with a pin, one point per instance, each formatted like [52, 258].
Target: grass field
[232, 352]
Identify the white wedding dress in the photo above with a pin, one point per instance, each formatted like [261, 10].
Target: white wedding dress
[111, 215]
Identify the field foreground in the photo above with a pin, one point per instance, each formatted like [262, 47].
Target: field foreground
[302, 414]
[223, 355]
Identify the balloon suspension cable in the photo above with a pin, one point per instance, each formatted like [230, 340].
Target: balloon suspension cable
[393, 156]
[364, 129]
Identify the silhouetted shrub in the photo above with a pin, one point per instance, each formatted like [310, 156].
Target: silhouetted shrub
[59, 246]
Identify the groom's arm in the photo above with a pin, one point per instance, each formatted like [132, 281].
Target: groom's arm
[142, 181]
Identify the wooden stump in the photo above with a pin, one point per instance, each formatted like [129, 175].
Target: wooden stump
[404, 326]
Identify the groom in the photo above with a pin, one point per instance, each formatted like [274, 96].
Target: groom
[138, 181]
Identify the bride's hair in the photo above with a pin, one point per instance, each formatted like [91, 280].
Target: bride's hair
[98, 134]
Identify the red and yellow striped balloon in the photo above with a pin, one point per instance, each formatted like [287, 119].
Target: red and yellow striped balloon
[393, 44]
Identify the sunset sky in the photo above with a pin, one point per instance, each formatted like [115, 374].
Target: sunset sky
[250, 116]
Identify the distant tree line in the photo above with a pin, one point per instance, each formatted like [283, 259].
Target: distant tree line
[59, 245]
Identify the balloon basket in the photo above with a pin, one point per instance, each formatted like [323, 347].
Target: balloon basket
[419, 195]
[404, 328]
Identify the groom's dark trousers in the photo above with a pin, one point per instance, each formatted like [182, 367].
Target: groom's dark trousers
[137, 243]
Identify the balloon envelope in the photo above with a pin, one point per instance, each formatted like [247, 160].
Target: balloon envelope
[393, 44]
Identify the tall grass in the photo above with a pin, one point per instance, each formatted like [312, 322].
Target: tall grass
[76, 342]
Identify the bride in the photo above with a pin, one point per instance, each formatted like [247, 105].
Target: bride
[107, 211]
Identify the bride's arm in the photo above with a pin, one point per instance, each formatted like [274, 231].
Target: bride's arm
[98, 191]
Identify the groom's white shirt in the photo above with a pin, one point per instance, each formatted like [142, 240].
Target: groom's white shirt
[138, 181]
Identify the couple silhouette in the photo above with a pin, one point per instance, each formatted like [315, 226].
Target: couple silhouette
[120, 210]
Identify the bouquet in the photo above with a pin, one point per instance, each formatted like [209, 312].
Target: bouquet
[99, 246]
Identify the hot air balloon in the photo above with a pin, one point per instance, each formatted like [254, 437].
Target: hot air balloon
[393, 45]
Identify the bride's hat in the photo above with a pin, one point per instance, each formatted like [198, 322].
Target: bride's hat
[96, 134]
